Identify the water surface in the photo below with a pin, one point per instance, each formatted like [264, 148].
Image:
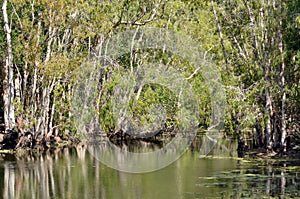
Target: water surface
[74, 173]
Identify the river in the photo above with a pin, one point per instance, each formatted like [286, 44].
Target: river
[75, 173]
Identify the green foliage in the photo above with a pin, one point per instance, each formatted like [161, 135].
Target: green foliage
[107, 120]
[153, 96]
[51, 40]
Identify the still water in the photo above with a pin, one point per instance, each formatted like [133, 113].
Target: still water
[75, 173]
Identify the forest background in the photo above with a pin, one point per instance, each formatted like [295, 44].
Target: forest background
[254, 44]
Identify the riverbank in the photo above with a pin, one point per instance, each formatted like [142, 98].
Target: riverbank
[14, 141]
[262, 153]
[11, 142]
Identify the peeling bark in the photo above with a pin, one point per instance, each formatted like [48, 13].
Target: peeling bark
[7, 74]
[282, 83]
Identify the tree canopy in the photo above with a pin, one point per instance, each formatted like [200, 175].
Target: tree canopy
[254, 45]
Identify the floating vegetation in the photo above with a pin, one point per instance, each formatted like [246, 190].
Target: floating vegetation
[255, 179]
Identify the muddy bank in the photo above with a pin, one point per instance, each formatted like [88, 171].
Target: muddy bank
[13, 140]
[16, 141]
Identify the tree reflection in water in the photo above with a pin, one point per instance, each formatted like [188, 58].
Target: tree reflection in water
[74, 173]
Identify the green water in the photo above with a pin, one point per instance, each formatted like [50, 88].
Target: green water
[74, 173]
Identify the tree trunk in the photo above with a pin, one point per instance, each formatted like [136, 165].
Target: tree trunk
[253, 24]
[268, 107]
[220, 34]
[282, 83]
[7, 74]
[46, 107]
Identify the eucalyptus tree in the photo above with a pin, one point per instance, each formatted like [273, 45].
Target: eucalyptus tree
[255, 32]
[51, 39]
[8, 71]
[253, 44]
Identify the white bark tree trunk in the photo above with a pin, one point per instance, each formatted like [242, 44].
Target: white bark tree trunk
[7, 74]
[282, 83]
[220, 34]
